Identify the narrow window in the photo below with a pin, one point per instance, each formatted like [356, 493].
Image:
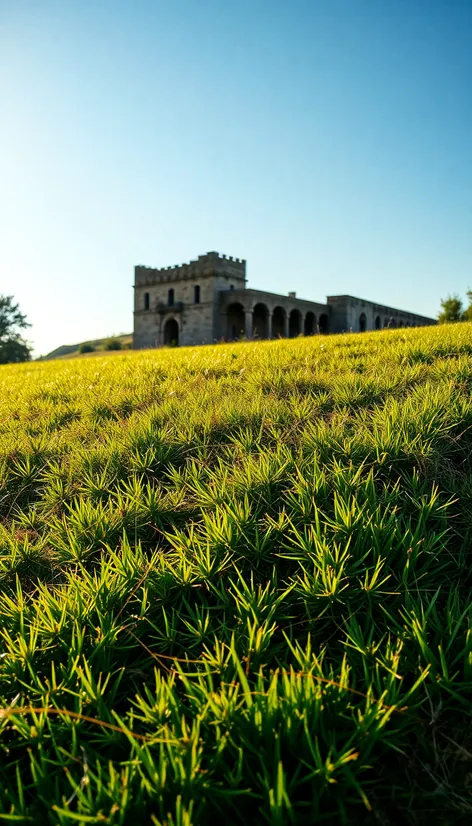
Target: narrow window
[170, 297]
[146, 301]
[231, 287]
[196, 294]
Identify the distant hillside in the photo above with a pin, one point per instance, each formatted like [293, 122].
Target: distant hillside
[98, 344]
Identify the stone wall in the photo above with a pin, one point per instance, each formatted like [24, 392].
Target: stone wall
[351, 314]
[146, 332]
[197, 324]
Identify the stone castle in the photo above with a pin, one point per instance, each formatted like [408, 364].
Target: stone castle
[207, 301]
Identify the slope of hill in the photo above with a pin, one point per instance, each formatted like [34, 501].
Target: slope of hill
[69, 350]
[235, 583]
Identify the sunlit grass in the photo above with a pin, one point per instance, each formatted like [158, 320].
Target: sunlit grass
[236, 583]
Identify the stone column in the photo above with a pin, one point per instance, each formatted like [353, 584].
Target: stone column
[286, 327]
[248, 330]
[302, 324]
[269, 324]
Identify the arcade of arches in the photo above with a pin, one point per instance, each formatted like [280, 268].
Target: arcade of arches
[379, 323]
[261, 322]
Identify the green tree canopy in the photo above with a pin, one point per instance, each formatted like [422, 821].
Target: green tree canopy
[468, 311]
[452, 309]
[13, 348]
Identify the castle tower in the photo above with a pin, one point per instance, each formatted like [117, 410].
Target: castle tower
[178, 305]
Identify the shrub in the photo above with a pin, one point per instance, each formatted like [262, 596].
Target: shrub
[86, 348]
[112, 343]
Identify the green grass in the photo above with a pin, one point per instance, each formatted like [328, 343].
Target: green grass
[236, 584]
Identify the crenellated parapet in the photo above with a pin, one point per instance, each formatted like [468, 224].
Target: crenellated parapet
[208, 265]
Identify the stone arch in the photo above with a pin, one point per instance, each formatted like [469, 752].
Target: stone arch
[323, 324]
[278, 322]
[309, 326]
[378, 323]
[235, 321]
[171, 333]
[294, 323]
[260, 321]
[362, 323]
[392, 323]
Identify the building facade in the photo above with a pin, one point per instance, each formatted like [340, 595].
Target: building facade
[207, 300]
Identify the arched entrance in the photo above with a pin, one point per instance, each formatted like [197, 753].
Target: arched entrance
[171, 333]
[362, 323]
[235, 322]
[378, 323]
[310, 324]
[278, 322]
[323, 324]
[260, 318]
[294, 324]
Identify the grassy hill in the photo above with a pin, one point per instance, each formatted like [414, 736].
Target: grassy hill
[236, 584]
[98, 344]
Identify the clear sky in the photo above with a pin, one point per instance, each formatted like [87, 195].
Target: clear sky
[328, 142]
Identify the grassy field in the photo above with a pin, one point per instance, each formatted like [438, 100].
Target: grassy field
[236, 584]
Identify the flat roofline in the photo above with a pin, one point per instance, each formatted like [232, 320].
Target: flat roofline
[274, 295]
[381, 304]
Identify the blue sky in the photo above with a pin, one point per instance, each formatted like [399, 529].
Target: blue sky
[328, 142]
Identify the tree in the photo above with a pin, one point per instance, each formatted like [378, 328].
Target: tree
[468, 311]
[13, 348]
[452, 309]
[86, 347]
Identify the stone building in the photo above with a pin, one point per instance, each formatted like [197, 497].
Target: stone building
[207, 300]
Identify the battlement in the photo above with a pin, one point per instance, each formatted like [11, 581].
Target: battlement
[216, 256]
[212, 263]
